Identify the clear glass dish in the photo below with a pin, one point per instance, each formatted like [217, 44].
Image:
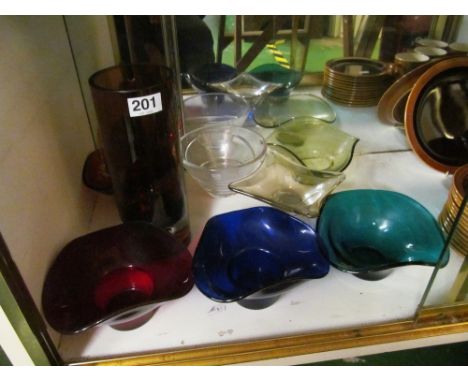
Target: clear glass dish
[284, 182]
[273, 110]
[219, 154]
[247, 87]
[206, 108]
[201, 78]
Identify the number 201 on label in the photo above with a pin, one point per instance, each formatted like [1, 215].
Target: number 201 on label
[150, 104]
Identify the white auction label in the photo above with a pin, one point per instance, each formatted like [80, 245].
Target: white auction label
[145, 105]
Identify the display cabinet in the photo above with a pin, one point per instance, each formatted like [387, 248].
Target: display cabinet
[49, 128]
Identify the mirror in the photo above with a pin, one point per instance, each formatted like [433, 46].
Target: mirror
[437, 115]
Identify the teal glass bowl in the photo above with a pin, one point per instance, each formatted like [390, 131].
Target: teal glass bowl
[288, 78]
[368, 232]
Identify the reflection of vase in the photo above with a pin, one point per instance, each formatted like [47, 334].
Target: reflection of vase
[138, 127]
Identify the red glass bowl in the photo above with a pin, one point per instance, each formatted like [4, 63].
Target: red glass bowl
[117, 276]
[95, 174]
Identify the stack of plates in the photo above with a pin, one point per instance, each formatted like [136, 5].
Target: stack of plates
[451, 208]
[354, 81]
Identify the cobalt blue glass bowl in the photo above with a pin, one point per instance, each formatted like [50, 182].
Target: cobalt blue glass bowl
[254, 255]
[368, 232]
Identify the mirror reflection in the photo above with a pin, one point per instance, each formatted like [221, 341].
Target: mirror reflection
[43, 160]
[443, 117]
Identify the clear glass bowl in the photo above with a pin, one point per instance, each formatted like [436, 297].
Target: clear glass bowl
[319, 145]
[284, 182]
[205, 108]
[201, 77]
[218, 154]
[369, 231]
[247, 87]
[273, 110]
[255, 255]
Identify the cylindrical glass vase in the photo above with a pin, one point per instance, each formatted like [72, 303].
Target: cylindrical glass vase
[136, 106]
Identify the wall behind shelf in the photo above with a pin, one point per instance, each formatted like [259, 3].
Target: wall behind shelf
[44, 140]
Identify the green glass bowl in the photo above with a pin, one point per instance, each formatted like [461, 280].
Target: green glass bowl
[365, 231]
[283, 182]
[275, 73]
[274, 110]
[319, 145]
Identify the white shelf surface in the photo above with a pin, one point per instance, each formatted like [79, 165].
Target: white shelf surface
[337, 301]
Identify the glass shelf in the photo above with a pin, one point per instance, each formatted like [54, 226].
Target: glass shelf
[383, 160]
[339, 315]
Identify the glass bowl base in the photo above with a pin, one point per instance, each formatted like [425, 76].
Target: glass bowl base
[125, 323]
[373, 275]
[258, 303]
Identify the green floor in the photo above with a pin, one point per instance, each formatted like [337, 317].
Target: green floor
[443, 355]
[319, 51]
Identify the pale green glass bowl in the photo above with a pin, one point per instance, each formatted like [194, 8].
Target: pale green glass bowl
[283, 182]
[319, 145]
[274, 110]
[246, 87]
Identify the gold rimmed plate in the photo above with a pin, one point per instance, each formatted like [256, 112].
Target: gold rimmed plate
[391, 106]
[434, 115]
[355, 81]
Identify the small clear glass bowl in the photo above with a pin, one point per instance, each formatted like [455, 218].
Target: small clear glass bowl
[219, 154]
[247, 87]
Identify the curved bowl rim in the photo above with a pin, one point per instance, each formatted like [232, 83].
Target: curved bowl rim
[106, 318]
[281, 206]
[295, 116]
[213, 94]
[215, 126]
[292, 278]
[92, 79]
[382, 267]
[333, 127]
